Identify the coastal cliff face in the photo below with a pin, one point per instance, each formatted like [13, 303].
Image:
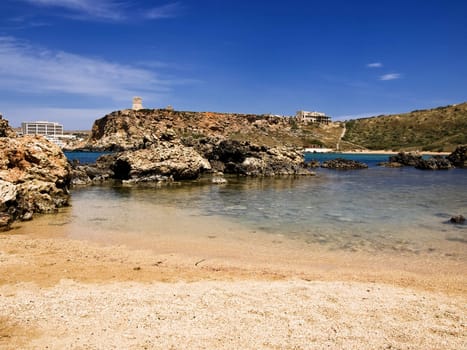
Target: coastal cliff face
[130, 130]
[34, 178]
[165, 144]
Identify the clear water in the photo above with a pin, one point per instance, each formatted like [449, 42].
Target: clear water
[377, 209]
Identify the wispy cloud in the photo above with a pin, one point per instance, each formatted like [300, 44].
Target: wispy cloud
[102, 9]
[390, 76]
[374, 65]
[109, 10]
[165, 11]
[27, 68]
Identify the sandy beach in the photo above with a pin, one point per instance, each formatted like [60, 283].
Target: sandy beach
[222, 293]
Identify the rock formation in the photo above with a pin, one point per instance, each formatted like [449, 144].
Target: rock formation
[34, 178]
[159, 145]
[408, 159]
[5, 129]
[244, 158]
[130, 130]
[416, 160]
[434, 163]
[343, 164]
[162, 161]
[459, 157]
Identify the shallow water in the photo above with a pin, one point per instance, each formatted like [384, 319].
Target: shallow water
[396, 211]
[373, 210]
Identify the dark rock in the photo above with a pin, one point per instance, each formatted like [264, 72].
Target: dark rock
[313, 164]
[459, 157]
[434, 163]
[409, 159]
[344, 164]
[245, 158]
[458, 219]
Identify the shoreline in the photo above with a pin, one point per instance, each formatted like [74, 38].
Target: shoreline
[60, 289]
[384, 152]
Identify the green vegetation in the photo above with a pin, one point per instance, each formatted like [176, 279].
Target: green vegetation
[439, 129]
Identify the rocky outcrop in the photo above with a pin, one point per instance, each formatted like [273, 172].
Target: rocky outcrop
[131, 130]
[434, 163]
[416, 160]
[459, 157]
[244, 158]
[161, 162]
[408, 159]
[343, 164]
[457, 219]
[5, 129]
[34, 178]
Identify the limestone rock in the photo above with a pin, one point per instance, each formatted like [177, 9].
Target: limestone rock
[34, 177]
[459, 157]
[5, 129]
[166, 159]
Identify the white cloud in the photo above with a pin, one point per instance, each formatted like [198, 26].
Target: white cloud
[390, 76]
[103, 9]
[25, 68]
[164, 11]
[109, 10]
[374, 65]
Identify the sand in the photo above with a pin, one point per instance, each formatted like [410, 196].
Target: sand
[62, 293]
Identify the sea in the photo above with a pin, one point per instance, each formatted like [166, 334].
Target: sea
[395, 210]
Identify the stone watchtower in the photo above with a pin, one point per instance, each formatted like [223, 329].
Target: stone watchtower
[137, 103]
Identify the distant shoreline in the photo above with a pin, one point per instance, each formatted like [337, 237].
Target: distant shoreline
[395, 152]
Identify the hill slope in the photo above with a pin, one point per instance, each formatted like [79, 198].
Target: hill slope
[438, 129]
[130, 129]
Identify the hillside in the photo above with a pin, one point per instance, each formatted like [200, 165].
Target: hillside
[438, 129]
[129, 129]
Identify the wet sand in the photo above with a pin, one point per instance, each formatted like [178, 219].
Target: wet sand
[223, 290]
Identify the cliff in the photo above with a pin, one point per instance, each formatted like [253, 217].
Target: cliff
[438, 129]
[130, 130]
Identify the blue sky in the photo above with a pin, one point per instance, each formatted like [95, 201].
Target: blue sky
[73, 61]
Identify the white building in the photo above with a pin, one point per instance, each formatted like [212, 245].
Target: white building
[42, 128]
[312, 117]
[50, 130]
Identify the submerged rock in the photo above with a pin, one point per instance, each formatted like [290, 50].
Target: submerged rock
[391, 164]
[343, 164]
[457, 219]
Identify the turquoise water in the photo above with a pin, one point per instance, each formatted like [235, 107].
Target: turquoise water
[377, 209]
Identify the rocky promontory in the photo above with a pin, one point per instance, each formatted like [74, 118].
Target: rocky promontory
[160, 145]
[34, 178]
